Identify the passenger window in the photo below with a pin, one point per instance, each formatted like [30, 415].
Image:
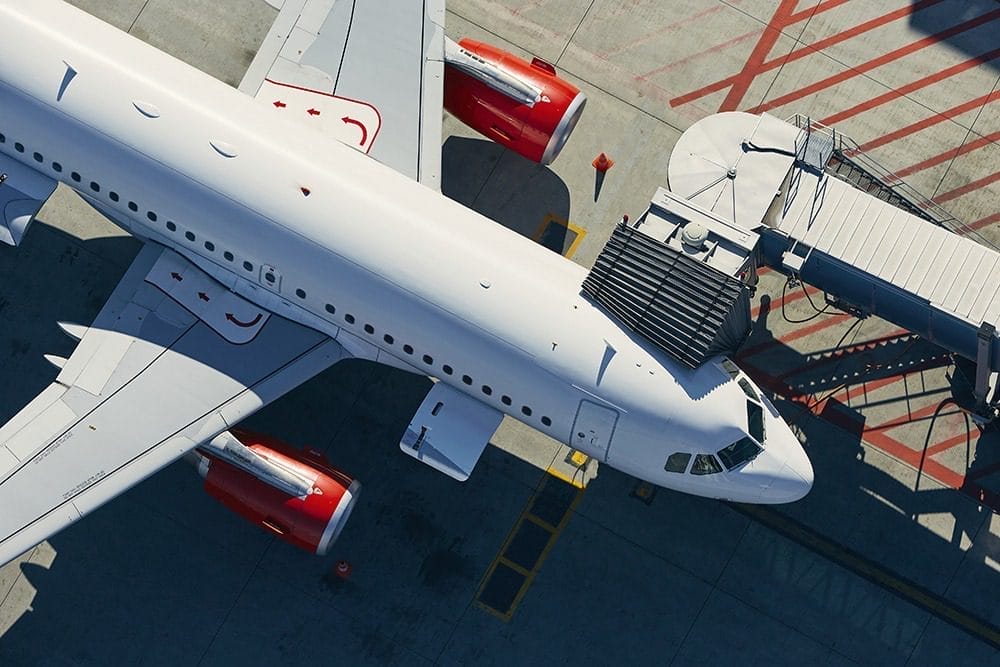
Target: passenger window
[248, 266]
[228, 255]
[113, 196]
[546, 421]
[506, 400]
[677, 462]
[151, 216]
[428, 359]
[38, 157]
[56, 167]
[190, 237]
[388, 339]
[132, 206]
[705, 464]
[466, 379]
[408, 349]
[172, 226]
[331, 309]
[75, 176]
[19, 147]
[301, 293]
[349, 318]
[209, 246]
[525, 410]
[488, 390]
[369, 329]
[448, 370]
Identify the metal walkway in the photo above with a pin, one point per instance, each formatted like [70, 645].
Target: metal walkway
[839, 226]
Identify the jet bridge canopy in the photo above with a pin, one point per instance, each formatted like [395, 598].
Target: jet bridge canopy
[676, 277]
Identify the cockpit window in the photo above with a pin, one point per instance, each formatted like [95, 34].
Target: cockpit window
[748, 389]
[705, 464]
[739, 452]
[730, 368]
[755, 420]
[677, 462]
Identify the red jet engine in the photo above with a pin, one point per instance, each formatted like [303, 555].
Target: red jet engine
[294, 494]
[523, 106]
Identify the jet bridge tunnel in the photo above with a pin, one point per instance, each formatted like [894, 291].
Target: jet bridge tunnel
[802, 200]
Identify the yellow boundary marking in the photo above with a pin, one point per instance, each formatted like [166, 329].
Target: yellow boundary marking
[529, 576]
[552, 219]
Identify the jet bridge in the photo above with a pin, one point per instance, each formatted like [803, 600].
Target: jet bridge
[679, 276]
[827, 218]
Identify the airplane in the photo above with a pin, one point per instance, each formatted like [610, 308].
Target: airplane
[298, 221]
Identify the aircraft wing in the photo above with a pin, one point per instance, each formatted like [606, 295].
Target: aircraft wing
[173, 359]
[370, 72]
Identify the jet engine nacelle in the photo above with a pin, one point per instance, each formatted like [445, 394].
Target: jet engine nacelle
[294, 494]
[523, 106]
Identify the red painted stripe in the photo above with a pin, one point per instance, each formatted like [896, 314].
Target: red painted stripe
[946, 156]
[896, 93]
[807, 50]
[801, 332]
[967, 188]
[953, 441]
[745, 77]
[662, 30]
[789, 298]
[712, 49]
[978, 224]
[875, 63]
[958, 110]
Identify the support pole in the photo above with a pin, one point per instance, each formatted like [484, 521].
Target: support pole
[985, 335]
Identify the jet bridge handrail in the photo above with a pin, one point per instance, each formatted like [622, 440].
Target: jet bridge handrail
[846, 149]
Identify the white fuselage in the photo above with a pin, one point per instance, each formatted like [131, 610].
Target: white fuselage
[177, 157]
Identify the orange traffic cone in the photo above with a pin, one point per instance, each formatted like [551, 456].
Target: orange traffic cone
[343, 569]
[602, 162]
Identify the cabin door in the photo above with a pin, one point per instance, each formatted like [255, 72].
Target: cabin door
[593, 429]
[270, 278]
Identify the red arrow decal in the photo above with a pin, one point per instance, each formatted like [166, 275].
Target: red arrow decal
[364, 130]
[245, 325]
[202, 296]
[176, 276]
[312, 112]
[279, 104]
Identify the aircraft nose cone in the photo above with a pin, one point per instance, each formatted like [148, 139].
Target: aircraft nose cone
[792, 482]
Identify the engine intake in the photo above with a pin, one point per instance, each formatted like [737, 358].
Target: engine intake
[524, 106]
[294, 494]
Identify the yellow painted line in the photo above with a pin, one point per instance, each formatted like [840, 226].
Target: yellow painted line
[904, 588]
[529, 576]
[552, 219]
[558, 474]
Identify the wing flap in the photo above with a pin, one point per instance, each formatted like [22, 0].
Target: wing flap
[369, 72]
[450, 431]
[168, 388]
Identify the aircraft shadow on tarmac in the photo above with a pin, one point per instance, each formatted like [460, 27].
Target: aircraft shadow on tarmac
[507, 188]
[153, 574]
[975, 41]
[858, 504]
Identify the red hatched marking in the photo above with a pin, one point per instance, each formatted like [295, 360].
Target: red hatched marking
[811, 49]
[946, 156]
[875, 63]
[967, 188]
[672, 27]
[957, 110]
[742, 81]
[978, 224]
[896, 93]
